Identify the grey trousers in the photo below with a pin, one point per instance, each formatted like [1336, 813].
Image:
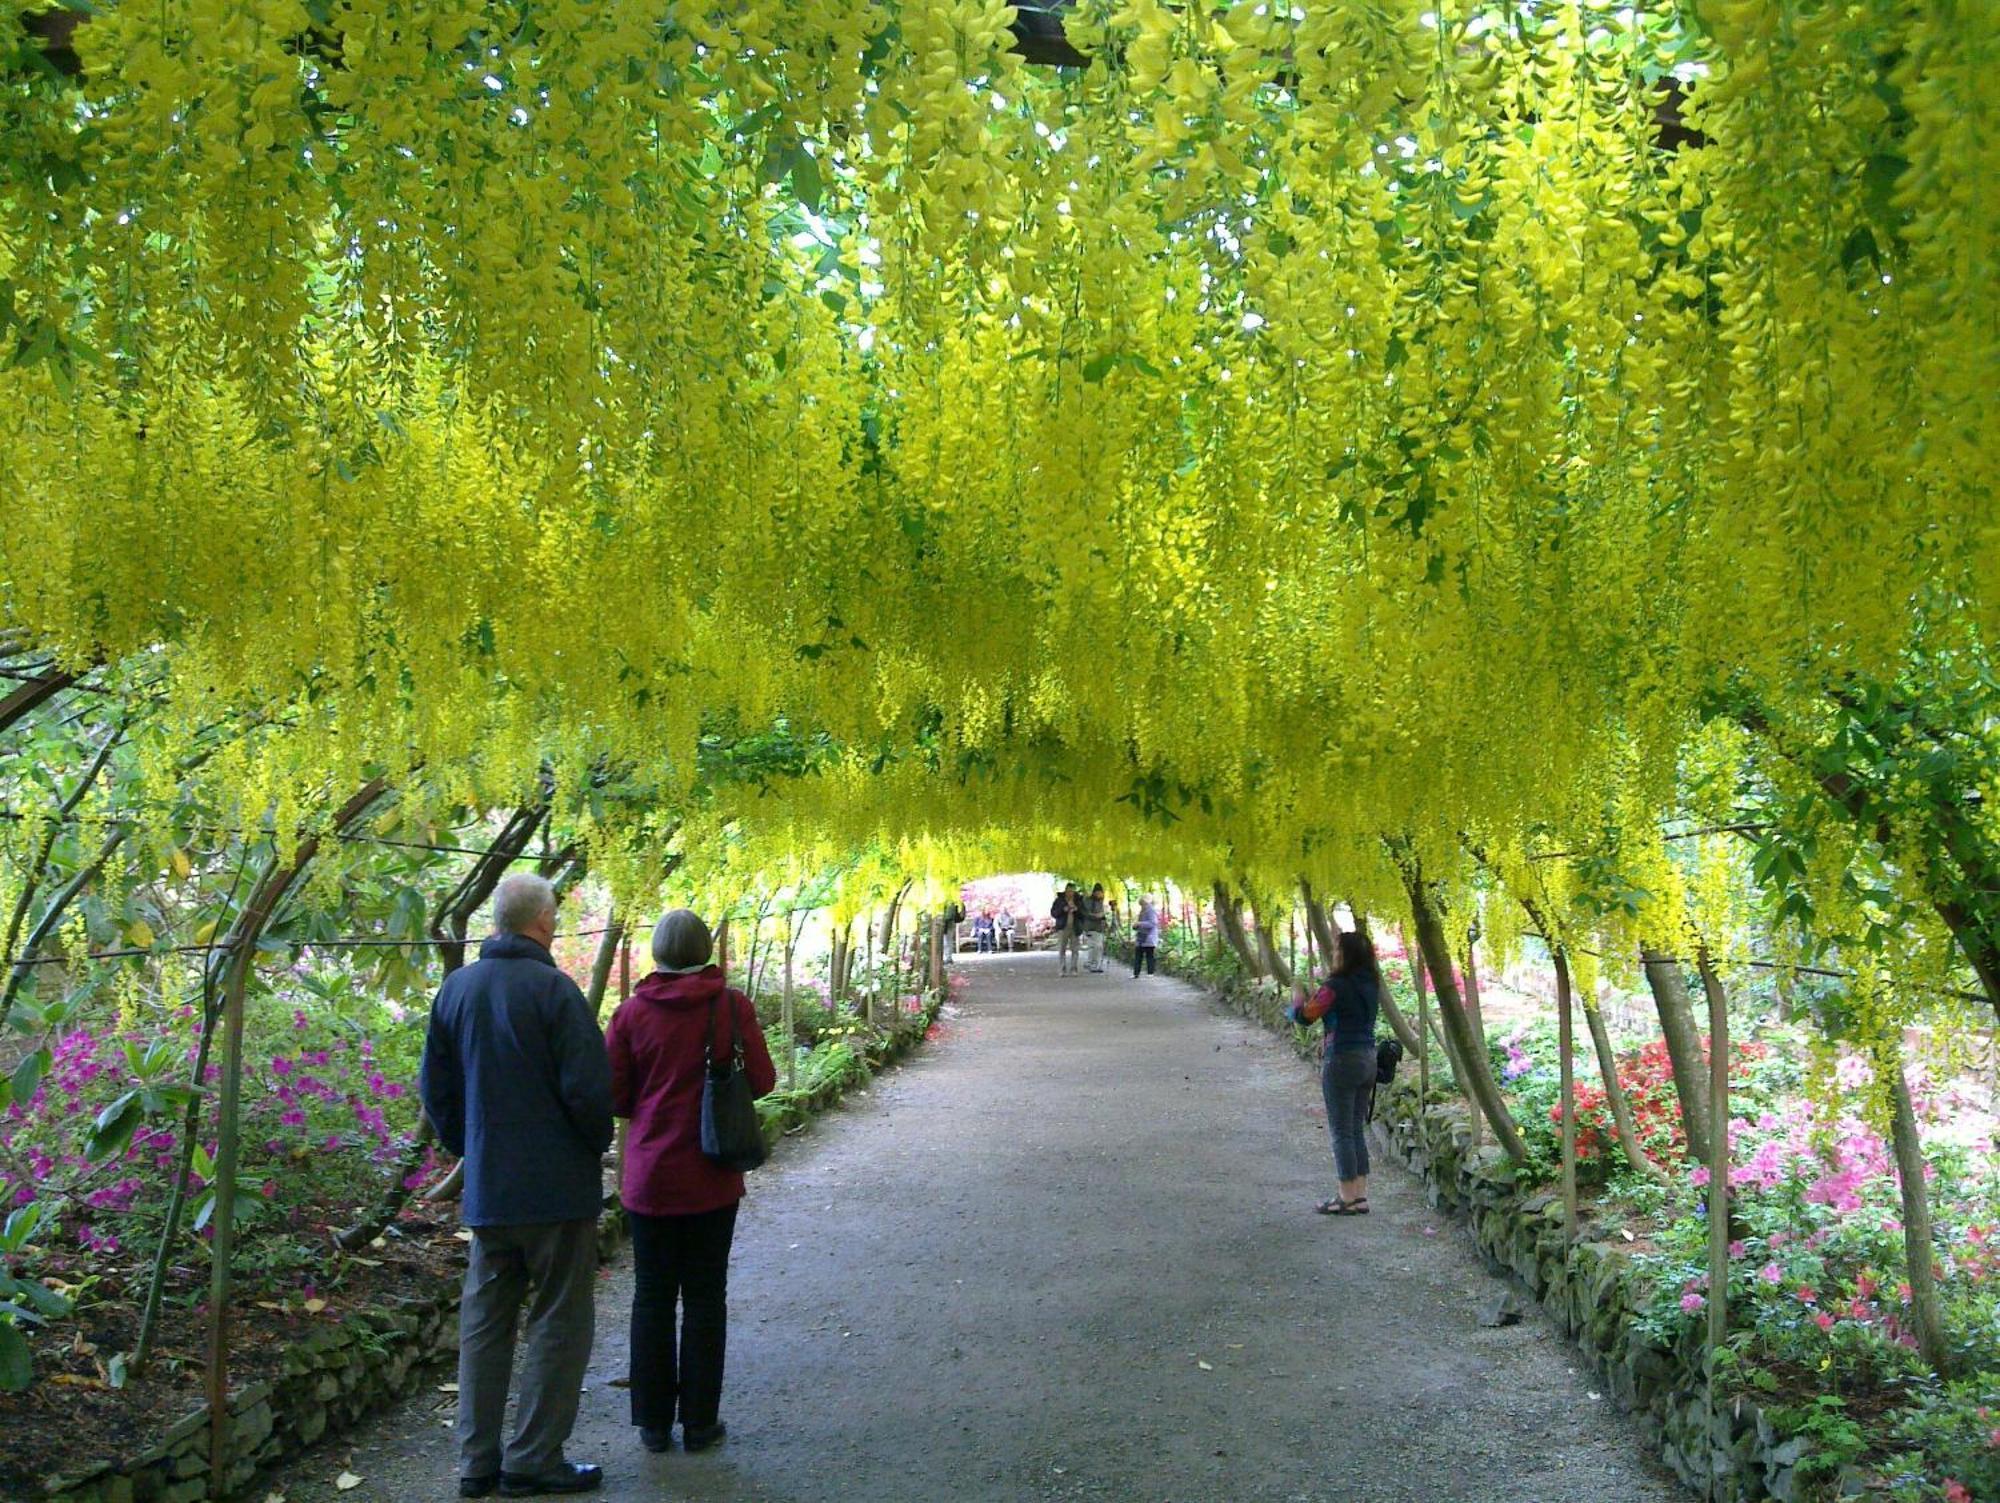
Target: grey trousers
[551, 1266]
[1066, 941]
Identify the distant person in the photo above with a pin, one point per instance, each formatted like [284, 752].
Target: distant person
[1348, 1001]
[1146, 939]
[1004, 931]
[982, 934]
[680, 1203]
[516, 1081]
[1067, 911]
[1095, 920]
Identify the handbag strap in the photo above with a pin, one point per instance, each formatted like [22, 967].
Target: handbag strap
[708, 1038]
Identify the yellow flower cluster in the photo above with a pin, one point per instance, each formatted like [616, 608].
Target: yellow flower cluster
[1303, 423]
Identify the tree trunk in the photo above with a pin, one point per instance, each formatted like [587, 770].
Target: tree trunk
[609, 945]
[788, 1010]
[836, 969]
[1420, 977]
[1670, 998]
[1478, 1080]
[455, 913]
[1320, 925]
[1270, 956]
[52, 915]
[1474, 1011]
[1566, 1062]
[1229, 924]
[1614, 1095]
[1926, 1317]
[1718, 1178]
[279, 879]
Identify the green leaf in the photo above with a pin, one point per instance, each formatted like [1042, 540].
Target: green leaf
[1098, 367]
[17, 1363]
[44, 1299]
[28, 1074]
[806, 179]
[114, 1128]
[20, 1226]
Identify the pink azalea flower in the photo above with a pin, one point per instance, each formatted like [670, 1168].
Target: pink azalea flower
[1692, 1302]
[1823, 1320]
[1771, 1273]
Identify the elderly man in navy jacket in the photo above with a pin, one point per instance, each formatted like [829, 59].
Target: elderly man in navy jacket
[516, 1081]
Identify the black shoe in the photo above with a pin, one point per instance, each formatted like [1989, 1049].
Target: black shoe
[478, 1487]
[563, 1477]
[657, 1440]
[701, 1437]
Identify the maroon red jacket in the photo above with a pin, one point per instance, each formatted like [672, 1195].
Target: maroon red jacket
[655, 1043]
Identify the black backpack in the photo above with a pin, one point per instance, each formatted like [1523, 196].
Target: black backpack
[1388, 1055]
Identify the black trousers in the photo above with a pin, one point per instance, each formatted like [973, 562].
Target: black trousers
[680, 1260]
[1148, 955]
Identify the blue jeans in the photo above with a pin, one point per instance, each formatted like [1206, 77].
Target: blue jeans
[1347, 1081]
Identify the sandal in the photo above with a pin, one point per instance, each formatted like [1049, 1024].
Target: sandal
[1355, 1207]
[1334, 1207]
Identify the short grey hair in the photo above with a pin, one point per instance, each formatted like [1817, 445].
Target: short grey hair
[520, 899]
[681, 942]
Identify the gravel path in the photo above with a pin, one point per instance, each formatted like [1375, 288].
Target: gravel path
[1067, 1252]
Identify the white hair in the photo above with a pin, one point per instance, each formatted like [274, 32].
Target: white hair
[521, 899]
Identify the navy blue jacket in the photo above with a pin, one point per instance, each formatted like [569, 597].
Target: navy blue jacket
[517, 1082]
[1348, 1002]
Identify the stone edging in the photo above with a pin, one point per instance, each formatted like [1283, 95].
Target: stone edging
[1593, 1291]
[343, 1373]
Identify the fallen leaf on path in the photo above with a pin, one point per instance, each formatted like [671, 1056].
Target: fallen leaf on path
[274, 1497]
[347, 1482]
[464, 1234]
[1203, 1366]
[314, 1305]
[447, 1388]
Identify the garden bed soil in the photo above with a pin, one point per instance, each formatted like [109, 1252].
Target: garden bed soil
[71, 1420]
[71, 1417]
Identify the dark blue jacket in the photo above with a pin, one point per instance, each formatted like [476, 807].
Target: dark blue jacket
[1348, 1003]
[517, 1082]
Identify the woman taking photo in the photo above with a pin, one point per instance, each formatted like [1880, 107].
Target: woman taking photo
[1348, 1001]
[681, 1204]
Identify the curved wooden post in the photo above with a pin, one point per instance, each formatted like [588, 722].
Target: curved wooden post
[241, 952]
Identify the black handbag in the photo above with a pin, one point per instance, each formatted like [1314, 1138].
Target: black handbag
[730, 1132]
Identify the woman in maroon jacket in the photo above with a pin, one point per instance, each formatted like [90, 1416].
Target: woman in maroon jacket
[681, 1204]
